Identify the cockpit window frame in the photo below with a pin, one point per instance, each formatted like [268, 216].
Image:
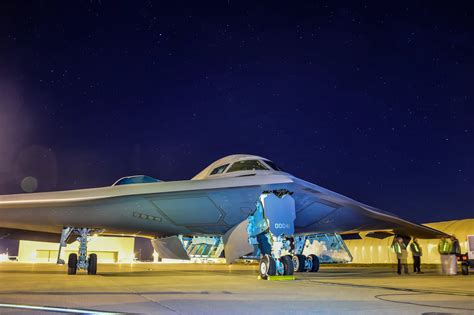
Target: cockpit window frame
[272, 165]
[264, 167]
[216, 170]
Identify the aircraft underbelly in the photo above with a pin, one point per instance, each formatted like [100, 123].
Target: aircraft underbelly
[313, 213]
[208, 212]
[132, 215]
[189, 209]
[338, 220]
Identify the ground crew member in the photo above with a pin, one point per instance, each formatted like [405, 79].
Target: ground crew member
[401, 251]
[444, 249]
[416, 252]
[455, 251]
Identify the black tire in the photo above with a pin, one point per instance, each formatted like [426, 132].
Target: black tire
[314, 263]
[267, 267]
[465, 269]
[288, 268]
[298, 262]
[72, 264]
[92, 267]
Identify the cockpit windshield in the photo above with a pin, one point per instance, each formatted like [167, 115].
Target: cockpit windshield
[247, 165]
[219, 170]
[272, 165]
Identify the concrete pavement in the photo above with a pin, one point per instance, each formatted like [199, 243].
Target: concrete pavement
[232, 289]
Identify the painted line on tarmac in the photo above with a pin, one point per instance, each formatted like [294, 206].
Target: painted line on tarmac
[55, 309]
[411, 292]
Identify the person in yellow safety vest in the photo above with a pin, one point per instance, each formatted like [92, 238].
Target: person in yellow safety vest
[416, 252]
[444, 249]
[401, 250]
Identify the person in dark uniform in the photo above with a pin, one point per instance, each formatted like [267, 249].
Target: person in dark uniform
[455, 248]
[401, 250]
[453, 254]
[416, 252]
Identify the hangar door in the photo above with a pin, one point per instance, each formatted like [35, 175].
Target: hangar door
[44, 255]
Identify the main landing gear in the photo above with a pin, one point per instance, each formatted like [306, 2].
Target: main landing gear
[80, 261]
[271, 228]
[282, 256]
[308, 263]
[301, 262]
[269, 266]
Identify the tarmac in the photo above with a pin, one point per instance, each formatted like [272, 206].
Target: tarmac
[229, 289]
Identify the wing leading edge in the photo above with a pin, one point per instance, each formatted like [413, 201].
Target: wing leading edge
[335, 213]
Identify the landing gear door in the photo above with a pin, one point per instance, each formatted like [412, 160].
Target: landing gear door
[170, 248]
[280, 212]
[236, 242]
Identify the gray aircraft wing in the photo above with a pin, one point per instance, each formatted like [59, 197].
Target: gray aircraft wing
[324, 211]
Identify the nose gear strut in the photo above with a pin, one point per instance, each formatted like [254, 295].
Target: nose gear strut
[79, 261]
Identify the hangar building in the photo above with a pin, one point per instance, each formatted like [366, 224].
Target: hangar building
[369, 250]
[108, 250]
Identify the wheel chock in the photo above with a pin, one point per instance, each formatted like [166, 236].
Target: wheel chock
[278, 278]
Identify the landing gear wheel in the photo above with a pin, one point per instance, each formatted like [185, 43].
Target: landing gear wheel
[72, 264]
[92, 267]
[267, 267]
[298, 262]
[465, 269]
[312, 263]
[288, 268]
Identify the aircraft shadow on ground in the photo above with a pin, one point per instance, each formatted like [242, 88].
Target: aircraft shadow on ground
[168, 273]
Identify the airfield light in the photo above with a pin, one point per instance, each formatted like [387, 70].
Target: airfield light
[4, 257]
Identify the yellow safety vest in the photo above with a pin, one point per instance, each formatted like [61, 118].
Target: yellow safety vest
[398, 248]
[444, 247]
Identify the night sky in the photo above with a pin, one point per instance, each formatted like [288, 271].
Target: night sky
[371, 101]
